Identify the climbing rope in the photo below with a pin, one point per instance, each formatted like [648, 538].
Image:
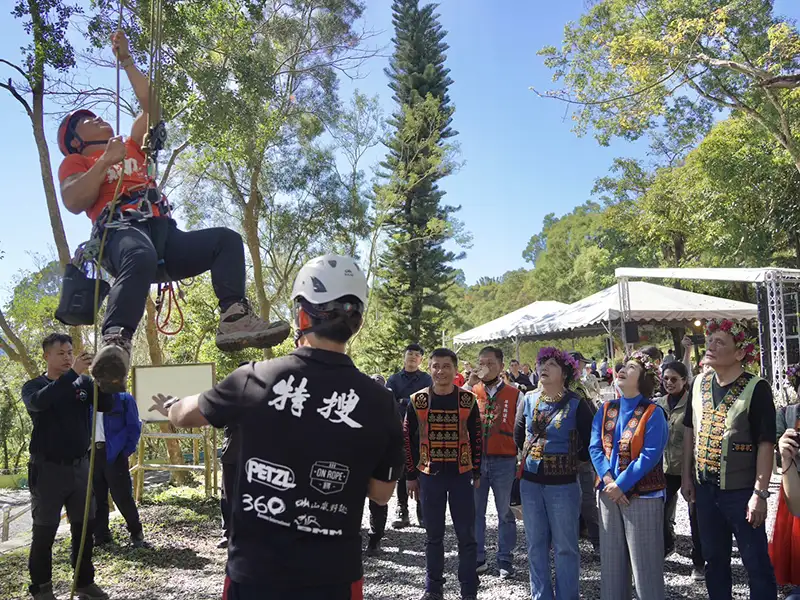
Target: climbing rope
[155, 34]
[167, 291]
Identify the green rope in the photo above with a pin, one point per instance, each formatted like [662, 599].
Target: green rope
[154, 78]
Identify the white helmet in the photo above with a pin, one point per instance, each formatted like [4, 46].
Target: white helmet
[328, 278]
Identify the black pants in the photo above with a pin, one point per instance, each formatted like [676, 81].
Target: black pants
[243, 591]
[113, 477]
[53, 486]
[132, 259]
[673, 488]
[225, 501]
[378, 514]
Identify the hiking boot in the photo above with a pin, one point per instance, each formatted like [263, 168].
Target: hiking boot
[506, 572]
[137, 539]
[373, 547]
[482, 568]
[402, 520]
[91, 592]
[45, 592]
[102, 540]
[223, 543]
[239, 328]
[110, 366]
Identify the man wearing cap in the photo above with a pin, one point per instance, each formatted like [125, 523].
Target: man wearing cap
[143, 244]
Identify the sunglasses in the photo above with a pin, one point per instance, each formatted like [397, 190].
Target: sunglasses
[672, 379]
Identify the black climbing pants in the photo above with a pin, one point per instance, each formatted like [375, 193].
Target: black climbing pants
[54, 485]
[131, 258]
[115, 478]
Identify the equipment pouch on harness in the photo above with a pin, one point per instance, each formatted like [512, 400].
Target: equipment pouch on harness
[76, 306]
[159, 231]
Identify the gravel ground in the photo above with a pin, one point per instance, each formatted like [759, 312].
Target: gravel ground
[184, 563]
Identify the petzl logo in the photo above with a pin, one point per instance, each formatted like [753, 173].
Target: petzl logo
[266, 473]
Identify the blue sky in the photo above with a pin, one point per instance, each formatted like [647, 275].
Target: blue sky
[521, 161]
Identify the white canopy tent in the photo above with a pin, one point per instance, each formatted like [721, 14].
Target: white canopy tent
[648, 303]
[508, 326]
[778, 303]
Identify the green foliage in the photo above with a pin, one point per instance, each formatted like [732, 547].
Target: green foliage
[416, 269]
[47, 21]
[634, 66]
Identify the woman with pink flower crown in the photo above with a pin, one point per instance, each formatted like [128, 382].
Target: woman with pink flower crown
[728, 449]
[628, 440]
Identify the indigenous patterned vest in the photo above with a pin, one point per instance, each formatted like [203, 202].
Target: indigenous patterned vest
[631, 443]
[443, 434]
[498, 415]
[551, 435]
[725, 455]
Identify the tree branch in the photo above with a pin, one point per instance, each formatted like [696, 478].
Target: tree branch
[171, 163]
[646, 88]
[782, 82]
[10, 87]
[16, 68]
[19, 350]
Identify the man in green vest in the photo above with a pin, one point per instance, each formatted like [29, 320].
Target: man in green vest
[728, 448]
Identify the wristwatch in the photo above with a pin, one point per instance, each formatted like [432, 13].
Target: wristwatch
[763, 494]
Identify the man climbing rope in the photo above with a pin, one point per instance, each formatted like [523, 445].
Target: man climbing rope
[143, 244]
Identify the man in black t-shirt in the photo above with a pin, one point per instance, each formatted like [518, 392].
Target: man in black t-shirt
[728, 448]
[405, 382]
[60, 405]
[522, 381]
[316, 436]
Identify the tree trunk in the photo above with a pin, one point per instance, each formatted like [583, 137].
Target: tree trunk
[37, 121]
[251, 239]
[157, 359]
[15, 349]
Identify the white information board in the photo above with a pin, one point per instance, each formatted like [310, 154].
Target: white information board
[170, 380]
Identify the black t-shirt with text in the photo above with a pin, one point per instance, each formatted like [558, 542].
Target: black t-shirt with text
[313, 430]
[761, 415]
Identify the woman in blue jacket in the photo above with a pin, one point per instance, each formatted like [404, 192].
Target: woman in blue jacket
[628, 440]
[116, 437]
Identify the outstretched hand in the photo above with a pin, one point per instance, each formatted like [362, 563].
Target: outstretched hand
[162, 404]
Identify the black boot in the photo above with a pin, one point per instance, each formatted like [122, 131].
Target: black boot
[373, 546]
[402, 520]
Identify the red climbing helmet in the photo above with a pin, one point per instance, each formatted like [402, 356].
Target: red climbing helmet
[66, 131]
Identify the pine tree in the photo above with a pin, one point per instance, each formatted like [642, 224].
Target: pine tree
[416, 269]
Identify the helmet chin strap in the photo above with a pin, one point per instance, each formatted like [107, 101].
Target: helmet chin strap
[84, 145]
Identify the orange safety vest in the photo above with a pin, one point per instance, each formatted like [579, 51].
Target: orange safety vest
[443, 437]
[498, 416]
[631, 443]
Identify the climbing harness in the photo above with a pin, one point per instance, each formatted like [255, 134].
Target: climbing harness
[92, 250]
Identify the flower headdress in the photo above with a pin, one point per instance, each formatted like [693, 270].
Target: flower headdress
[739, 334]
[562, 358]
[646, 361]
[793, 375]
